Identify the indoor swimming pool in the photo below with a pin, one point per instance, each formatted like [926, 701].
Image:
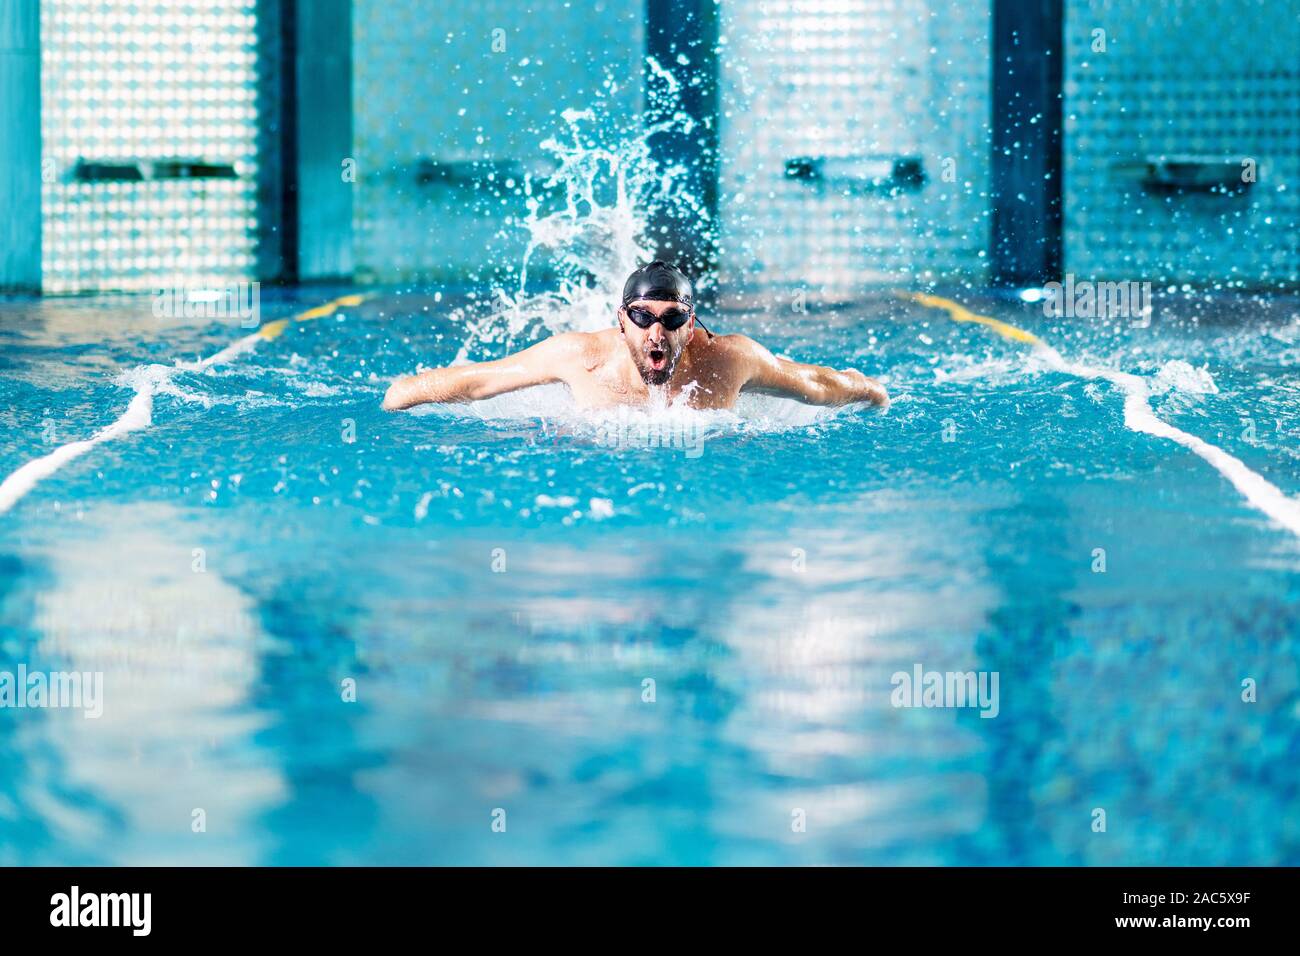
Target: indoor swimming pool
[517, 634]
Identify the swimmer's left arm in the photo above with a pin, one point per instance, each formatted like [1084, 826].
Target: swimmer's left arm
[812, 384]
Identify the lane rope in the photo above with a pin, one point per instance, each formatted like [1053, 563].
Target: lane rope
[1258, 491]
[959, 313]
[139, 413]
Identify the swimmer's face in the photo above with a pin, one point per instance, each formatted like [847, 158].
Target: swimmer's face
[656, 349]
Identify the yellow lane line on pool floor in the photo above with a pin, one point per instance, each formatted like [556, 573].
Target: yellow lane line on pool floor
[273, 329]
[959, 313]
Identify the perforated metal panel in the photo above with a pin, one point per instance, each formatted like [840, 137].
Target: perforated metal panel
[1214, 83]
[878, 90]
[460, 83]
[138, 82]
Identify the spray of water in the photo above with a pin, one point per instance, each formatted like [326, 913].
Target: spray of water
[588, 222]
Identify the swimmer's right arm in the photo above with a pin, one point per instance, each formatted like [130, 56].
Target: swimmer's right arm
[538, 364]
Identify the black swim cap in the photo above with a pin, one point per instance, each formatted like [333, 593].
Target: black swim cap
[658, 281]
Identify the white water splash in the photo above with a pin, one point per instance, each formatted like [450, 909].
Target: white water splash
[612, 191]
[1182, 378]
[553, 406]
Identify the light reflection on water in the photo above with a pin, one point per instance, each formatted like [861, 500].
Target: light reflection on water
[523, 689]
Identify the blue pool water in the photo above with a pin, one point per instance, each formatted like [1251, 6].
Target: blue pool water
[501, 589]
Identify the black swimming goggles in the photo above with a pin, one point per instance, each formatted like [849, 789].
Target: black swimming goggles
[672, 320]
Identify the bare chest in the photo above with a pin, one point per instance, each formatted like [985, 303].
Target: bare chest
[603, 387]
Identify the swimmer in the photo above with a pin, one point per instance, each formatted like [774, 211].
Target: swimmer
[654, 354]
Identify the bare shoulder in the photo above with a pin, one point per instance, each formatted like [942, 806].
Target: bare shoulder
[737, 349]
[594, 348]
[572, 348]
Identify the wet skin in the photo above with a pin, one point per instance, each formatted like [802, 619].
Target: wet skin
[629, 365]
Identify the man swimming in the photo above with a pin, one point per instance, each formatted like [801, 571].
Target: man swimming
[654, 354]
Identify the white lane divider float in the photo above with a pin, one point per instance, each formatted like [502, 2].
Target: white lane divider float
[139, 413]
[1139, 416]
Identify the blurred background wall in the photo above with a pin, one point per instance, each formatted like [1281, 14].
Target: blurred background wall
[127, 87]
[855, 141]
[858, 142]
[1199, 80]
[446, 95]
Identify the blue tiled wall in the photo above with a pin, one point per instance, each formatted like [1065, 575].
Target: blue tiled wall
[432, 81]
[855, 78]
[1214, 80]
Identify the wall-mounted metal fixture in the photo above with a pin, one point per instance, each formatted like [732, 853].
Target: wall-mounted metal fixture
[468, 172]
[191, 169]
[1188, 174]
[134, 171]
[89, 171]
[859, 174]
[804, 168]
[493, 177]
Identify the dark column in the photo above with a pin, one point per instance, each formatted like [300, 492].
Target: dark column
[307, 103]
[324, 66]
[688, 28]
[1026, 162]
[20, 146]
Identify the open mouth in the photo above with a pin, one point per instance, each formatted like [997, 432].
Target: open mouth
[658, 358]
